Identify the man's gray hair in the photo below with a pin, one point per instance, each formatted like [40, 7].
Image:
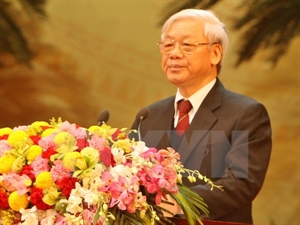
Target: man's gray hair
[214, 29]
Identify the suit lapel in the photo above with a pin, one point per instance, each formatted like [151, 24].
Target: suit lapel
[167, 122]
[168, 115]
[156, 129]
[203, 121]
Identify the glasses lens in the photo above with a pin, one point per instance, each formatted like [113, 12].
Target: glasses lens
[187, 47]
[167, 46]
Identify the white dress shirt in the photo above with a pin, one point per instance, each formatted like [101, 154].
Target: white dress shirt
[196, 99]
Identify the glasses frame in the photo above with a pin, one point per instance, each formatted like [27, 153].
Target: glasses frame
[180, 44]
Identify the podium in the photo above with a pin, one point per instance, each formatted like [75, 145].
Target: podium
[182, 221]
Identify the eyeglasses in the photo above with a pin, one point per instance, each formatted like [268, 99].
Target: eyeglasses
[166, 47]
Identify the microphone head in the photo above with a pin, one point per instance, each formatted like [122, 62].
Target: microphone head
[103, 116]
[143, 113]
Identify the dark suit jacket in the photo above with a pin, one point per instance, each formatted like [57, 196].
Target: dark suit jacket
[229, 141]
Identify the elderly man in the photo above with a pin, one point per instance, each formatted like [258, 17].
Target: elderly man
[224, 135]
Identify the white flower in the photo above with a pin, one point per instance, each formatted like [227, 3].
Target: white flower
[78, 190]
[121, 170]
[50, 217]
[99, 168]
[73, 220]
[94, 181]
[73, 204]
[29, 216]
[118, 155]
[140, 147]
[91, 198]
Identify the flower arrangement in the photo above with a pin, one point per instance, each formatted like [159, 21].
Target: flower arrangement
[59, 173]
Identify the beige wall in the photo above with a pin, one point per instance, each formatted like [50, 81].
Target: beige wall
[95, 55]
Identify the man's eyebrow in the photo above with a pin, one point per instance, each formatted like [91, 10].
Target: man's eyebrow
[181, 38]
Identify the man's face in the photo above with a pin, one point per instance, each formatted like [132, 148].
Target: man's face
[194, 70]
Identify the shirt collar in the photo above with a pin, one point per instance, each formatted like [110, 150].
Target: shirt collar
[197, 98]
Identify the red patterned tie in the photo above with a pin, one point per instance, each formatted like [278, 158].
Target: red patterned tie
[184, 106]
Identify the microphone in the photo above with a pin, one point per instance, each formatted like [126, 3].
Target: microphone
[103, 117]
[142, 115]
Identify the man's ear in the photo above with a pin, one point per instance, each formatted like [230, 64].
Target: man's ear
[216, 54]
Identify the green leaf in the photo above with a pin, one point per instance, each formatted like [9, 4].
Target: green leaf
[126, 218]
[96, 217]
[192, 205]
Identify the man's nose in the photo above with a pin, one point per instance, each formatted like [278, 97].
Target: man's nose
[176, 50]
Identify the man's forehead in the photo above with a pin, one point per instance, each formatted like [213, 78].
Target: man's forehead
[185, 29]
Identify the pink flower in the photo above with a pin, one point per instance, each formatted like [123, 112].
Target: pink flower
[97, 142]
[169, 156]
[7, 185]
[125, 200]
[158, 178]
[60, 219]
[169, 182]
[25, 128]
[4, 146]
[147, 154]
[58, 171]
[116, 188]
[40, 165]
[66, 126]
[150, 178]
[74, 130]
[124, 193]
[88, 216]
[17, 182]
[47, 142]
[107, 179]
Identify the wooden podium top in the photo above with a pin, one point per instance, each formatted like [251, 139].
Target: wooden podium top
[181, 221]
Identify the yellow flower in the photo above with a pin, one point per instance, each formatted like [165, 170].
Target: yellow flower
[94, 128]
[44, 180]
[49, 131]
[7, 217]
[104, 130]
[5, 130]
[85, 164]
[65, 143]
[69, 160]
[52, 197]
[17, 202]
[81, 163]
[18, 138]
[18, 164]
[64, 138]
[124, 145]
[91, 153]
[33, 152]
[36, 127]
[6, 163]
